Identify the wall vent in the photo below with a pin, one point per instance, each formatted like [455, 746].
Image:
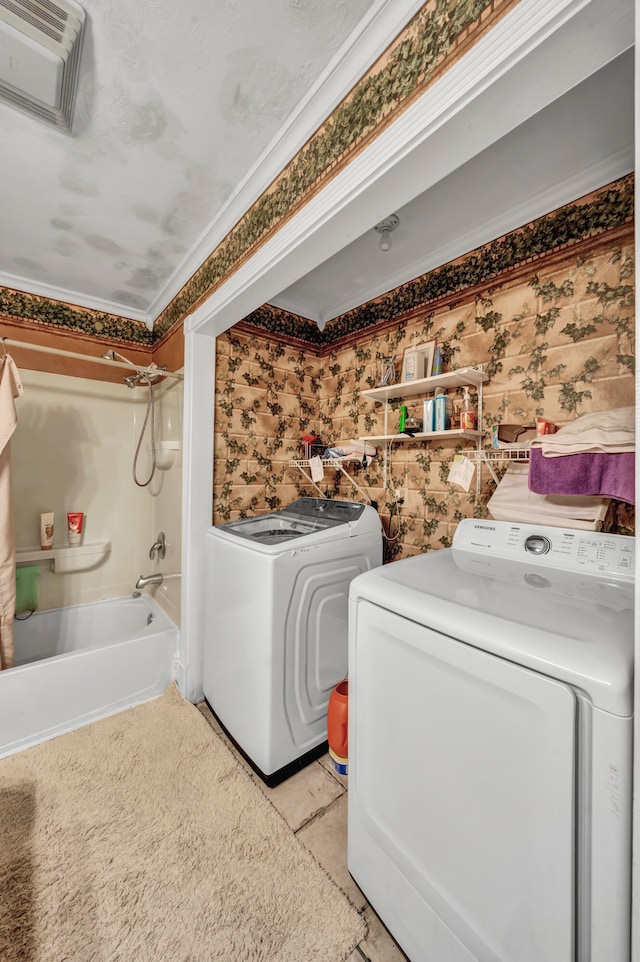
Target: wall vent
[40, 46]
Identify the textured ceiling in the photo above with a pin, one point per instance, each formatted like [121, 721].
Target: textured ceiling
[176, 103]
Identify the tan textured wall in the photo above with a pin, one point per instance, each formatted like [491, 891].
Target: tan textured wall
[558, 341]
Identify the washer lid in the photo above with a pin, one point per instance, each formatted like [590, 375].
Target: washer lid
[567, 625]
[306, 521]
[326, 512]
[270, 529]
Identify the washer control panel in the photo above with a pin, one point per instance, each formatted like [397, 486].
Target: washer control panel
[537, 544]
[569, 549]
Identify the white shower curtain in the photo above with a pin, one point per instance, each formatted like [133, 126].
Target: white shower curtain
[10, 388]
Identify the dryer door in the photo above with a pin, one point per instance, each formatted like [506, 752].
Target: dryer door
[461, 796]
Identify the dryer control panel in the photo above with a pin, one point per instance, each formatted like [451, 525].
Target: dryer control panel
[568, 549]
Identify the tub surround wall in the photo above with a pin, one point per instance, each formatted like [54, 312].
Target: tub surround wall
[72, 451]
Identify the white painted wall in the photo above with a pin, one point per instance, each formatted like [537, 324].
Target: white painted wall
[72, 451]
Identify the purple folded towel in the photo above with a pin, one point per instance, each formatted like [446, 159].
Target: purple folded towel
[606, 475]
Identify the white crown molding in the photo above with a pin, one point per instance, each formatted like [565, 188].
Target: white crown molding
[543, 47]
[293, 306]
[81, 301]
[375, 32]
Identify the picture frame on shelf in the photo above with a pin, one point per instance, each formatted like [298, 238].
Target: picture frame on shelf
[412, 365]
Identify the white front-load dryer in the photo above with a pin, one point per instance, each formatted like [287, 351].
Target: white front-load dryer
[490, 745]
[276, 640]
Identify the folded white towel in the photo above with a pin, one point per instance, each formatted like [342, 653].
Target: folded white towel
[608, 432]
[513, 501]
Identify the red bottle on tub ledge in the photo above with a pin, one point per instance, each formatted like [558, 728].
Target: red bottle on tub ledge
[337, 726]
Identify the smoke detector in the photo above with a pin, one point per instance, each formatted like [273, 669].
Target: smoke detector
[40, 46]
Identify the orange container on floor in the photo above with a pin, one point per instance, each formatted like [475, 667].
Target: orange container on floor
[337, 717]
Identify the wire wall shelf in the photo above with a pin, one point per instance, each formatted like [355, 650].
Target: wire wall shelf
[491, 456]
[499, 454]
[338, 464]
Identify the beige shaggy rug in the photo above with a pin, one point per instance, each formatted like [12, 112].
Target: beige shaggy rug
[141, 839]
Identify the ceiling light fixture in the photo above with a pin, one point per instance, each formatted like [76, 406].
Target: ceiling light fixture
[384, 228]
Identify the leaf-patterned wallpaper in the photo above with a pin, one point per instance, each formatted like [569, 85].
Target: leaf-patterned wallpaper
[558, 341]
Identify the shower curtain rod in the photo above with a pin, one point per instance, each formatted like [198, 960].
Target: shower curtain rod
[9, 342]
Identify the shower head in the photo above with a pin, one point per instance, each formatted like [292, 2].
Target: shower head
[152, 375]
[112, 355]
[144, 377]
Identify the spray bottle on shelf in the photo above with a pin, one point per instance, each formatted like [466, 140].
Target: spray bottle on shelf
[467, 412]
[436, 367]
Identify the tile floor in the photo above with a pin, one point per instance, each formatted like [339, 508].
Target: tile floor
[314, 803]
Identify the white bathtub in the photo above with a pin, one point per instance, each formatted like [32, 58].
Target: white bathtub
[75, 665]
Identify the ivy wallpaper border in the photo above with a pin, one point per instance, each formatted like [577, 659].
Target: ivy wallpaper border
[593, 215]
[43, 311]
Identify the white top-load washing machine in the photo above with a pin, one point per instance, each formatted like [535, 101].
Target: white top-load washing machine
[276, 624]
[490, 736]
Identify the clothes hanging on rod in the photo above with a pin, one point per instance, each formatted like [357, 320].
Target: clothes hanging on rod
[10, 389]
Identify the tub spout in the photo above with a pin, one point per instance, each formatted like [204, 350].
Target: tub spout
[145, 580]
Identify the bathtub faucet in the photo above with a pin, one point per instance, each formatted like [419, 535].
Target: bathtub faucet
[145, 580]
